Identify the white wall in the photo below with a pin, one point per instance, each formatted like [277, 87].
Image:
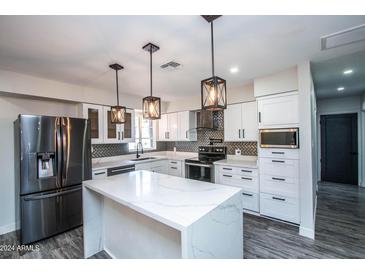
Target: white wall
[339, 105]
[239, 94]
[306, 170]
[9, 110]
[23, 84]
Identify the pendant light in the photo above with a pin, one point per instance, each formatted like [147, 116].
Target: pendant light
[151, 105]
[213, 89]
[117, 112]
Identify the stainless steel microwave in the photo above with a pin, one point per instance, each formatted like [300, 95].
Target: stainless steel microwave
[279, 138]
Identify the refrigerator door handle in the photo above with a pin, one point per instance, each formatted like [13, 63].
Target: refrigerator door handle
[59, 152]
[65, 147]
[40, 197]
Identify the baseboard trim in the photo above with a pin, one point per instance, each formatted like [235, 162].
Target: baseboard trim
[7, 228]
[306, 232]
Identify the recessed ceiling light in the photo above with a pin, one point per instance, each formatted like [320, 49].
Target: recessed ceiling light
[233, 69]
[348, 71]
[340, 89]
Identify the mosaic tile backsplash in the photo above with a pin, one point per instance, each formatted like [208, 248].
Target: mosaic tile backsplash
[247, 148]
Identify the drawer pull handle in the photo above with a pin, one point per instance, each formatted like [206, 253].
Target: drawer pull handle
[172, 167]
[278, 179]
[226, 168]
[246, 178]
[224, 175]
[278, 161]
[247, 194]
[278, 152]
[245, 170]
[99, 173]
[278, 199]
[173, 162]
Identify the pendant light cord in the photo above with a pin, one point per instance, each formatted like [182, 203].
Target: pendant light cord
[212, 43]
[116, 79]
[151, 71]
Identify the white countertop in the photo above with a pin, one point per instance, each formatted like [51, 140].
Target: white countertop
[239, 161]
[175, 201]
[123, 160]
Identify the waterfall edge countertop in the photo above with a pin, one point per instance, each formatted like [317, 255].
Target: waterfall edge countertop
[174, 201]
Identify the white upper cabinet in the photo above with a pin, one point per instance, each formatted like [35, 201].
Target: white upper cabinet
[240, 122]
[279, 111]
[186, 120]
[118, 133]
[176, 126]
[282, 81]
[95, 114]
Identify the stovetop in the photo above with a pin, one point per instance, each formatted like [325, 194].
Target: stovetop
[209, 154]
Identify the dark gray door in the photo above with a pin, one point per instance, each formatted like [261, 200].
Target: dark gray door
[48, 213]
[38, 135]
[339, 148]
[76, 151]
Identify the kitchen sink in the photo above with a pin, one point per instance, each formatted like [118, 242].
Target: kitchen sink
[142, 159]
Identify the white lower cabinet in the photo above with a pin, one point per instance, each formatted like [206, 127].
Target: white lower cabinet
[279, 207]
[99, 174]
[245, 178]
[159, 166]
[175, 168]
[279, 184]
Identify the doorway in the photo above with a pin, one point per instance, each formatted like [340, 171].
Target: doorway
[339, 148]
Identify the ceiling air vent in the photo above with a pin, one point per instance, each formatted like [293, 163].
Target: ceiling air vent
[344, 37]
[171, 66]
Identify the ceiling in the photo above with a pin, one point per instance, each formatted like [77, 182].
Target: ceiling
[78, 49]
[328, 75]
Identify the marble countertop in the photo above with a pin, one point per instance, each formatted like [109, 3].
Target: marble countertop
[125, 160]
[239, 161]
[175, 201]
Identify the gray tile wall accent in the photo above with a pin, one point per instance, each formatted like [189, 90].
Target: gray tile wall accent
[247, 148]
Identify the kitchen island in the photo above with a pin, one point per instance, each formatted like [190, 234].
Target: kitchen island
[142, 214]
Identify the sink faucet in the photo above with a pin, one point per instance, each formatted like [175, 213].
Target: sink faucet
[137, 155]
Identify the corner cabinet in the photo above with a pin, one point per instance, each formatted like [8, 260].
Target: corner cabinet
[240, 122]
[103, 131]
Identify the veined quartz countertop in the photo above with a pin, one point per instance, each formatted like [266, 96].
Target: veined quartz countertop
[175, 201]
[102, 163]
[239, 161]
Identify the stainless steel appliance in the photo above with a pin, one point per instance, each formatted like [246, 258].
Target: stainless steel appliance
[202, 168]
[112, 171]
[52, 158]
[279, 138]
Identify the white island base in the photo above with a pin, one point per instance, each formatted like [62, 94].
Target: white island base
[148, 215]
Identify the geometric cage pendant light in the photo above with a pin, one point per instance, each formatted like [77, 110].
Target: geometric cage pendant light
[213, 89]
[151, 106]
[117, 112]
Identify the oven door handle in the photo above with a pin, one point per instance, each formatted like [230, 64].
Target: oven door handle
[201, 165]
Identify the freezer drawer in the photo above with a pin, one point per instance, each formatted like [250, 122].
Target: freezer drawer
[49, 213]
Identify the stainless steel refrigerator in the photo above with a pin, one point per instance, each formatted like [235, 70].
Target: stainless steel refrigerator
[52, 158]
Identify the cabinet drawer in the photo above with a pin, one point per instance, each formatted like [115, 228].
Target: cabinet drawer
[250, 201]
[287, 186]
[174, 171]
[247, 183]
[227, 169]
[279, 167]
[279, 153]
[280, 207]
[99, 174]
[251, 172]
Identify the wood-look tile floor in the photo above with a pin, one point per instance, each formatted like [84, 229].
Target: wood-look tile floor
[340, 229]
[340, 233]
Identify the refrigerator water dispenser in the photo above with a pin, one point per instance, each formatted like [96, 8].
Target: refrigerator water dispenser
[45, 161]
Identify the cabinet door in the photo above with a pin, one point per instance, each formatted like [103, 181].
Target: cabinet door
[127, 130]
[233, 123]
[172, 126]
[183, 126]
[95, 114]
[162, 128]
[279, 111]
[112, 132]
[249, 130]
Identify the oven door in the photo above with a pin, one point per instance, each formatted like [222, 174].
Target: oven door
[200, 172]
[279, 138]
